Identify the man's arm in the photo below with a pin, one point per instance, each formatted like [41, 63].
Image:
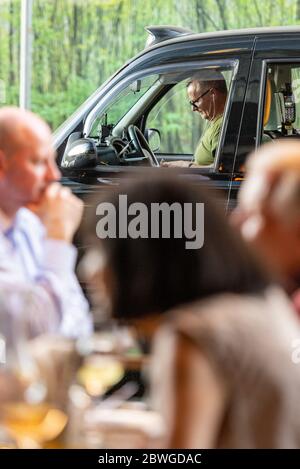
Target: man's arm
[58, 277]
[60, 213]
[52, 302]
[177, 164]
[21, 298]
[184, 164]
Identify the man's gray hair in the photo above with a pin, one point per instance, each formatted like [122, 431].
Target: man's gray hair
[210, 79]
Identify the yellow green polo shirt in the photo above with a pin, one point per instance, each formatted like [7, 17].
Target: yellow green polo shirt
[206, 148]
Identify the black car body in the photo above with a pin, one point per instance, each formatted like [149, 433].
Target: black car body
[262, 105]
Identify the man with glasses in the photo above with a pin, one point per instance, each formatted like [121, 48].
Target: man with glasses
[207, 94]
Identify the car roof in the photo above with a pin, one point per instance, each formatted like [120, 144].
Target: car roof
[236, 32]
[187, 37]
[225, 33]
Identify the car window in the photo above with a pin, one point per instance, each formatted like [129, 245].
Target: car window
[180, 128]
[124, 101]
[162, 101]
[281, 113]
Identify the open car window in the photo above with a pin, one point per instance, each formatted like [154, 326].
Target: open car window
[180, 128]
[157, 107]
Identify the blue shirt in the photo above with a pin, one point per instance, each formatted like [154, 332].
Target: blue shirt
[42, 269]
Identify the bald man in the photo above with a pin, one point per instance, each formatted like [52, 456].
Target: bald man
[268, 211]
[38, 218]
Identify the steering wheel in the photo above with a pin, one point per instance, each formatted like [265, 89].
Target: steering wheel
[141, 145]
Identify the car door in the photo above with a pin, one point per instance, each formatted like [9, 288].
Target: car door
[88, 180]
[280, 50]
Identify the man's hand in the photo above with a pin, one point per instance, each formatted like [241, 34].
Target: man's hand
[176, 164]
[60, 212]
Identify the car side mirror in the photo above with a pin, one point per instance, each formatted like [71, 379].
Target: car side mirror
[80, 153]
[153, 138]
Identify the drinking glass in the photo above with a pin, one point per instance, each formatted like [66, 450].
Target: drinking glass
[25, 415]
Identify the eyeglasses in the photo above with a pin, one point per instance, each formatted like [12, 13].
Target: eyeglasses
[193, 103]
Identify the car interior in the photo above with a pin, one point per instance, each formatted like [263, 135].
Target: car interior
[281, 110]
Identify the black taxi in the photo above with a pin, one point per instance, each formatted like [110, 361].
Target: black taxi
[141, 115]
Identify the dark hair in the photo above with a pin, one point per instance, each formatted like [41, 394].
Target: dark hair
[154, 275]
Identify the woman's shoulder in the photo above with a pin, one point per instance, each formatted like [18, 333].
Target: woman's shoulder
[235, 320]
[267, 302]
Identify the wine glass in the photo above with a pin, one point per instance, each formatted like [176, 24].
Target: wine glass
[25, 414]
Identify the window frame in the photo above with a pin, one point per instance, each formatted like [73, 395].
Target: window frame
[233, 70]
[193, 66]
[262, 94]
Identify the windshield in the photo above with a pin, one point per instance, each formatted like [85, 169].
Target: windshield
[123, 102]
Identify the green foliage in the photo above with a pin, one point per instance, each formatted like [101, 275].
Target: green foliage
[78, 44]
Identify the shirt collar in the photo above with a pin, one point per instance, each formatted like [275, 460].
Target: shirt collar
[5, 222]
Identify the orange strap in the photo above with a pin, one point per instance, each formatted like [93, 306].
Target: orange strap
[267, 102]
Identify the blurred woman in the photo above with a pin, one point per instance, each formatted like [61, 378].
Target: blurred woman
[222, 333]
